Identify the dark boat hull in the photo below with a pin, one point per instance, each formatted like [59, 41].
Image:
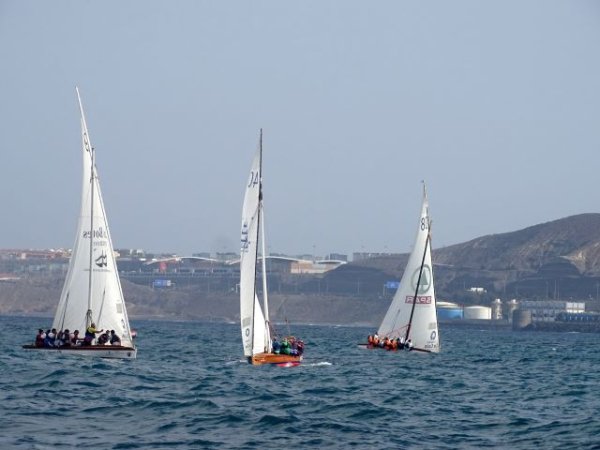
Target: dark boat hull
[98, 351]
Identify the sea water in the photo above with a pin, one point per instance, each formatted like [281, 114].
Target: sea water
[191, 388]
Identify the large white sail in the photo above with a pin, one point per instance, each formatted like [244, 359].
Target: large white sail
[255, 333]
[412, 313]
[97, 293]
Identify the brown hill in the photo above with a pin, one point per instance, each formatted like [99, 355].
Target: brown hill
[556, 259]
[575, 239]
[38, 296]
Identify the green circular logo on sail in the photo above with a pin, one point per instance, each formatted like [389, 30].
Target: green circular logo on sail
[425, 282]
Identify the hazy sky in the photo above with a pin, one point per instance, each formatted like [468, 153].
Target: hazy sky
[495, 104]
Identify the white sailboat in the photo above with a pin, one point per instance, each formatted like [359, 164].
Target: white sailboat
[255, 325]
[92, 291]
[412, 314]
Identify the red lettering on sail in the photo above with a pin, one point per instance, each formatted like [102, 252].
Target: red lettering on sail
[421, 299]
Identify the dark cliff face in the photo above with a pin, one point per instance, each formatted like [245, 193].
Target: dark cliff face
[574, 239]
[558, 258]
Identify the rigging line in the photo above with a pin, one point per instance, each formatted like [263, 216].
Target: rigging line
[264, 279]
[287, 322]
[415, 349]
[272, 330]
[396, 329]
[101, 307]
[257, 229]
[414, 304]
[88, 147]
[64, 314]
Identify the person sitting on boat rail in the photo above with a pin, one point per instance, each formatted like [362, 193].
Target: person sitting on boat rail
[58, 342]
[90, 334]
[59, 338]
[285, 347]
[276, 346]
[293, 347]
[39, 338]
[383, 342]
[300, 347]
[75, 337]
[114, 339]
[398, 344]
[50, 338]
[409, 345]
[65, 338]
[103, 339]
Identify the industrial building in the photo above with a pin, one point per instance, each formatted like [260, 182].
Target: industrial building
[549, 310]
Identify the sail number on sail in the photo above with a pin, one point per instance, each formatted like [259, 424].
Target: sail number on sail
[254, 178]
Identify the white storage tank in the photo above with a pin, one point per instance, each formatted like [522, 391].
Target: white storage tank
[478, 312]
[497, 309]
[512, 306]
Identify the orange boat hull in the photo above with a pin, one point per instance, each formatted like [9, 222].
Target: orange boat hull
[271, 358]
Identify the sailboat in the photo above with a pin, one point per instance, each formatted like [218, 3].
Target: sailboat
[258, 340]
[412, 315]
[92, 291]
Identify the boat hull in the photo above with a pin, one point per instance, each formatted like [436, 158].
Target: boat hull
[98, 351]
[271, 358]
[376, 347]
[373, 347]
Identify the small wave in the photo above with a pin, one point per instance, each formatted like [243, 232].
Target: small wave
[271, 420]
[237, 361]
[319, 364]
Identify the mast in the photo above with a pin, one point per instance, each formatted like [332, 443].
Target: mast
[90, 149]
[264, 277]
[414, 303]
[264, 268]
[257, 230]
[261, 223]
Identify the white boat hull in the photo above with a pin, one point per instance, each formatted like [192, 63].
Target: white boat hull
[98, 351]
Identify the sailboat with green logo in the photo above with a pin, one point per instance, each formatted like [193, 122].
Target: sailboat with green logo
[412, 314]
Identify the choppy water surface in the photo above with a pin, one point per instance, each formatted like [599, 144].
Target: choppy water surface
[189, 388]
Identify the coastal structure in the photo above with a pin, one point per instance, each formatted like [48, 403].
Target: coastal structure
[549, 310]
[497, 309]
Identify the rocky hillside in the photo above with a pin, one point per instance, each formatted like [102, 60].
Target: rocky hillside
[574, 239]
[558, 259]
[35, 295]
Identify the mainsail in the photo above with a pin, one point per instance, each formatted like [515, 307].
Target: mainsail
[92, 289]
[255, 330]
[412, 313]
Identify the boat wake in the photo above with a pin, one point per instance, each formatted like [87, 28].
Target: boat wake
[236, 361]
[318, 364]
